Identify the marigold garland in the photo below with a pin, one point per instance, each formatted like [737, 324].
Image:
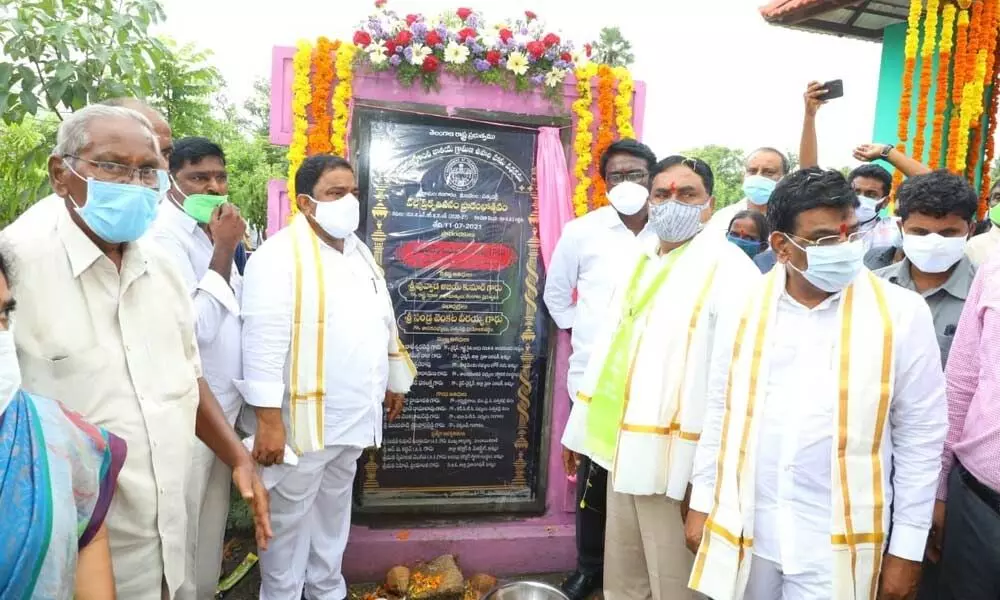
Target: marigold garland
[957, 83]
[605, 134]
[301, 96]
[909, 67]
[322, 84]
[926, 72]
[623, 103]
[583, 138]
[943, 92]
[975, 74]
[342, 97]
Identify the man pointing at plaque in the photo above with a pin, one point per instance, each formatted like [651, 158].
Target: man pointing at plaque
[320, 357]
[587, 259]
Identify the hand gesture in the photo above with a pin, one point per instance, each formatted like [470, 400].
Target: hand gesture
[269, 441]
[255, 495]
[814, 92]
[394, 405]
[868, 152]
[227, 227]
[900, 578]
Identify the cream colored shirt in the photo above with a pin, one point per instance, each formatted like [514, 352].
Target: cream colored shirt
[981, 247]
[118, 347]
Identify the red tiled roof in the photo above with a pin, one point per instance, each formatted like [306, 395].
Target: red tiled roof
[776, 9]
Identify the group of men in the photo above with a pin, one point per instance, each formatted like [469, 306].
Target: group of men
[817, 422]
[136, 312]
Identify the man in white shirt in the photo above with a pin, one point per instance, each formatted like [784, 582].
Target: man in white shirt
[580, 281]
[816, 474]
[200, 232]
[763, 169]
[642, 396]
[107, 328]
[320, 358]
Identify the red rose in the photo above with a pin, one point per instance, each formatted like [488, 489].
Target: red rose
[466, 34]
[551, 40]
[430, 64]
[379, 3]
[493, 57]
[404, 37]
[566, 57]
[433, 39]
[536, 49]
[588, 48]
[530, 15]
[411, 19]
[361, 38]
[464, 13]
[390, 46]
[506, 35]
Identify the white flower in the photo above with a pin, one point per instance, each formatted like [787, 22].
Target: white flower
[489, 41]
[522, 40]
[456, 53]
[580, 58]
[420, 52]
[517, 62]
[377, 58]
[554, 77]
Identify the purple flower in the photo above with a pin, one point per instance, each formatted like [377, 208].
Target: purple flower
[394, 60]
[481, 65]
[503, 62]
[472, 21]
[442, 30]
[439, 46]
[408, 52]
[476, 47]
[552, 53]
[419, 29]
[561, 64]
[375, 27]
[537, 79]
[524, 30]
[399, 49]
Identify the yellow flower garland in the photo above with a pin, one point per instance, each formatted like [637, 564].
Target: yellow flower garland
[583, 138]
[972, 107]
[301, 97]
[342, 98]
[623, 103]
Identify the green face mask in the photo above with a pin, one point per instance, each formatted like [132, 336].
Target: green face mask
[201, 206]
[994, 215]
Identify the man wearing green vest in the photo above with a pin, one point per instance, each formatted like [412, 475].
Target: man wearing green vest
[641, 402]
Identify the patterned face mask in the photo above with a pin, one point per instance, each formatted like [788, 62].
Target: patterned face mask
[674, 221]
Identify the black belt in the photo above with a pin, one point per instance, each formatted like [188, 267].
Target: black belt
[982, 491]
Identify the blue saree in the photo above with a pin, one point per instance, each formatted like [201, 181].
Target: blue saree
[57, 477]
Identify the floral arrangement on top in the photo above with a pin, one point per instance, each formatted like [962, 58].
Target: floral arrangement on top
[519, 54]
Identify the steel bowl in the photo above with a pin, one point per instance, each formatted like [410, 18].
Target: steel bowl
[525, 590]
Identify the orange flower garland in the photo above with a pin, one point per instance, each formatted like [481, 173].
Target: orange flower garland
[926, 71]
[972, 90]
[957, 83]
[943, 93]
[909, 66]
[605, 134]
[322, 83]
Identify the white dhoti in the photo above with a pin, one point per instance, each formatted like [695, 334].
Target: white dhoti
[767, 582]
[209, 485]
[311, 519]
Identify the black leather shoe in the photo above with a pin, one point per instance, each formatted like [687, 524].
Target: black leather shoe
[580, 585]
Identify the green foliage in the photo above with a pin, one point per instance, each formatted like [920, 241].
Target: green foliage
[185, 87]
[727, 166]
[613, 49]
[24, 149]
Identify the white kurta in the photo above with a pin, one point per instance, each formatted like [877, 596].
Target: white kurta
[589, 259]
[311, 502]
[793, 502]
[218, 327]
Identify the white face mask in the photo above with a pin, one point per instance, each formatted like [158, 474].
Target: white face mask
[628, 198]
[339, 218]
[10, 370]
[867, 211]
[832, 268]
[675, 222]
[933, 253]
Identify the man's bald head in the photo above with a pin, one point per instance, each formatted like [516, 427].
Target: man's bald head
[160, 126]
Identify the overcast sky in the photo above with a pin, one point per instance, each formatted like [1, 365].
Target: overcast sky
[716, 72]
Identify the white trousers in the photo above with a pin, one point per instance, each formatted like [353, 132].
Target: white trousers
[311, 519]
[767, 582]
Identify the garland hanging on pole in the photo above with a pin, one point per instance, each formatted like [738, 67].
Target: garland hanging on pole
[958, 80]
[909, 67]
[605, 133]
[322, 85]
[342, 98]
[943, 92]
[926, 73]
[582, 138]
[972, 90]
[623, 104]
[301, 96]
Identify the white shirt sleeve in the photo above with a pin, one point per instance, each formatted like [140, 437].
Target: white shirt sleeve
[918, 421]
[212, 296]
[267, 329]
[561, 279]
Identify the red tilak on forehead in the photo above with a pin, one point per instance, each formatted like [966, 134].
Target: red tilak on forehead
[843, 229]
[673, 188]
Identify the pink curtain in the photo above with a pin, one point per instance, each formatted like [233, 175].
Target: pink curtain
[555, 203]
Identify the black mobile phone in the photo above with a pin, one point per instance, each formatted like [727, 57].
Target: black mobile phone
[834, 89]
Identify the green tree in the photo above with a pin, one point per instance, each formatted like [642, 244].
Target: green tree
[185, 88]
[727, 166]
[24, 148]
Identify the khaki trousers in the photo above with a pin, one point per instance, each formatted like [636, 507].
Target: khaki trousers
[645, 555]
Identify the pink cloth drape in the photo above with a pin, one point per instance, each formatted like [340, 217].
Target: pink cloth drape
[555, 202]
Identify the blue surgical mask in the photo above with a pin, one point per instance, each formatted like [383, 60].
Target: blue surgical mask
[751, 247]
[758, 188]
[832, 268]
[117, 212]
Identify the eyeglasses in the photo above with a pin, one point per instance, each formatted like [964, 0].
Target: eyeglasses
[631, 176]
[832, 240]
[113, 172]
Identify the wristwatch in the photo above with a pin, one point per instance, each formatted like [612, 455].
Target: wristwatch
[886, 149]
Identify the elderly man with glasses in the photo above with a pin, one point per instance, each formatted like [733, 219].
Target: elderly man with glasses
[107, 326]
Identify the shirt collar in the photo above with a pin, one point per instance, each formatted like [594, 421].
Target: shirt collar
[957, 285]
[177, 216]
[83, 253]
